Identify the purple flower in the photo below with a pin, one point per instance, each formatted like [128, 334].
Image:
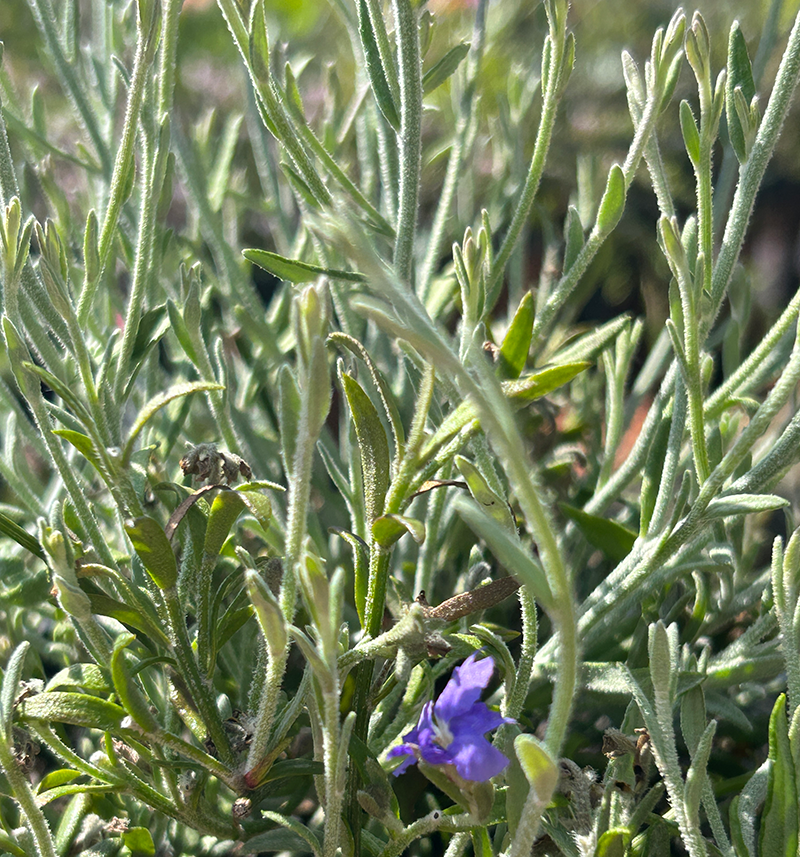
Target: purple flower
[452, 730]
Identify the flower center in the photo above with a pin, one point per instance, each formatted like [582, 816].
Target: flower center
[442, 734]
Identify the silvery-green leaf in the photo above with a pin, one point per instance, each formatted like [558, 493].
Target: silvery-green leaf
[743, 504]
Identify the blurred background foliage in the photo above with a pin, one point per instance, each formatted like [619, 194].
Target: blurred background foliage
[593, 128]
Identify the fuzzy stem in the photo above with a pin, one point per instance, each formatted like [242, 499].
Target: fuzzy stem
[123, 163]
[410, 138]
[23, 794]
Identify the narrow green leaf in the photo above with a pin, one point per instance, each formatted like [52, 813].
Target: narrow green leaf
[153, 324]
[691, 136]
[22, 537]
[779, 820]
[543, 381]
[11, 680]
[83, 443]
[696, 775]
[662, 664]
[387, 529]
[136, 619]
[360, 569]
[384, 391]
[372, 444]
[295, 271]
[743, 504]
[57, 778]
[437, 74]
[740, 76]
[613, 202]
[60, 388]
[268, 612]
[259, 43]
[375, 69]
[289, 404]
[225, 509]
[129, 694]
[517, 341]
[154, 549]
[651, 477]
[613, 539]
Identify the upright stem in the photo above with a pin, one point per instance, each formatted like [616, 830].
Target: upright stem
[536, 168]
[464, 133]
[410, 139]
[23, 794]
[299, 494]
[123, 163]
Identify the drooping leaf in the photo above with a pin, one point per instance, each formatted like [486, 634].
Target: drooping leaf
[160, 401]
[614, 539]
[387, 529]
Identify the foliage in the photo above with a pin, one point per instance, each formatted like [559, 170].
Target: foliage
[275, 459]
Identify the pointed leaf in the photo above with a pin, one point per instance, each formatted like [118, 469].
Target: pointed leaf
[373, 446]
[542, 381]
[10, 686]
[375, 69]
[517, 341]
[447, 65]
[295, 271]
[740, 76]
[613, 202]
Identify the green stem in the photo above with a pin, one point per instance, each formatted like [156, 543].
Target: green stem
[123, 163]
[201, 692]
[299, 495]
[410, 138]
[752, 172]
[23, 794]
[464, 132]
[536, 168]
[598, 235]
[334, 795]
[519, 692]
